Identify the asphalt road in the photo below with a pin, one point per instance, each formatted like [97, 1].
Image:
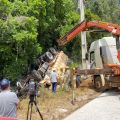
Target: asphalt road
[104, 107]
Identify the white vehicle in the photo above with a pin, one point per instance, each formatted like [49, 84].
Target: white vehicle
[103, 52]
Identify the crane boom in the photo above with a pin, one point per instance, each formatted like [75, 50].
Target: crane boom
[112, 28]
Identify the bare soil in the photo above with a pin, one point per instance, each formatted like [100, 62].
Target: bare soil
[58, 106]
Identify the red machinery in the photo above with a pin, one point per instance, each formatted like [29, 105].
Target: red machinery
[112, 28]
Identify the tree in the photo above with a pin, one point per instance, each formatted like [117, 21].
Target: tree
[107, 10]
[67, 17]
[18, 42]
[29, 28]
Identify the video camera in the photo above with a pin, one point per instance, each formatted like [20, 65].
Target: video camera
[32, 89]
[32, 95]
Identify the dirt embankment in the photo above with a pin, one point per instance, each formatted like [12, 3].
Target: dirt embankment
[57, 106]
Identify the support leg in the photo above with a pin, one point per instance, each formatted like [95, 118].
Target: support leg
[38, 110]
[31, 111]
[28, 111]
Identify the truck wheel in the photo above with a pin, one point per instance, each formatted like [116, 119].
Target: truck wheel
[48, 56]
[53, 51]
[41, 59]
[36, 75]
[38, 62]
[98, 84]
[42, 70]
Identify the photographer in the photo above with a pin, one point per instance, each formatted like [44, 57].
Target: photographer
[8, 100]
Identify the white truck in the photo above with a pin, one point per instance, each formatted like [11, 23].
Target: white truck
[102, 53]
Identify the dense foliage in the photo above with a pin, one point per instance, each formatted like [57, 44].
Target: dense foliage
[29, 27]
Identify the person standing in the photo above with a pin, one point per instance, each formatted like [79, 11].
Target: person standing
[54, 80]
[67, 77]
[77, 81]
[8, 100]
[19, 87]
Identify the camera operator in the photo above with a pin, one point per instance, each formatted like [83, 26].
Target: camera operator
[8, 100]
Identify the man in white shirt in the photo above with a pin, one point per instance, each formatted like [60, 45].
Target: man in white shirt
[54, 79]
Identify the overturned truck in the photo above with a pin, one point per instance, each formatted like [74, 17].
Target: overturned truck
[39, 69]
[43, 66]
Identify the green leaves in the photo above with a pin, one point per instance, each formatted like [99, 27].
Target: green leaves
[19, 8]
[107, 10]
[18, 39]
[30, 27]
[91, 16]
[5, 9]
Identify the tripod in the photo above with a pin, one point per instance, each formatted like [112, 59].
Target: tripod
[30, 106]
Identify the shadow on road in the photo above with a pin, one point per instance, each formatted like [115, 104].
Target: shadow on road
[112, 92]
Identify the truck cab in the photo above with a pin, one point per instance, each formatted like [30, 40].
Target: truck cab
[103, 52]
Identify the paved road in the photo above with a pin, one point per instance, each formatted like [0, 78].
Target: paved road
[104, 107]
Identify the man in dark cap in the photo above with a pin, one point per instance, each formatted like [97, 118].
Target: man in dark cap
[8, 100]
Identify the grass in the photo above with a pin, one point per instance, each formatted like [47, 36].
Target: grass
[49, 102]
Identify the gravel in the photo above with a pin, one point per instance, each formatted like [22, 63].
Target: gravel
[104, 107]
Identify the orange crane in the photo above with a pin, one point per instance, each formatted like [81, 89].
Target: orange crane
[109, 70]
[112, 28]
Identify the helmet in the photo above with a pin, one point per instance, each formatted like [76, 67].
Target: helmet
[4, 84]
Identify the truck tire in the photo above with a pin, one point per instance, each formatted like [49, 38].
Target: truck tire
[45, 65]
[42, 70]
[46, 57]
[53, 51]
[98, 84]
[38, 62]
[41, 59]
[36, 75]
[49, 56]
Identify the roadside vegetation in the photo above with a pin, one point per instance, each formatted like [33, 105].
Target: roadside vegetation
[28, 28]
[57, 106]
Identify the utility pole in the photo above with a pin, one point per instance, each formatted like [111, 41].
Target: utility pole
[83, 34]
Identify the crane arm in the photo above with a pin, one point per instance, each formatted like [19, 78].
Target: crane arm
[113, 28]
